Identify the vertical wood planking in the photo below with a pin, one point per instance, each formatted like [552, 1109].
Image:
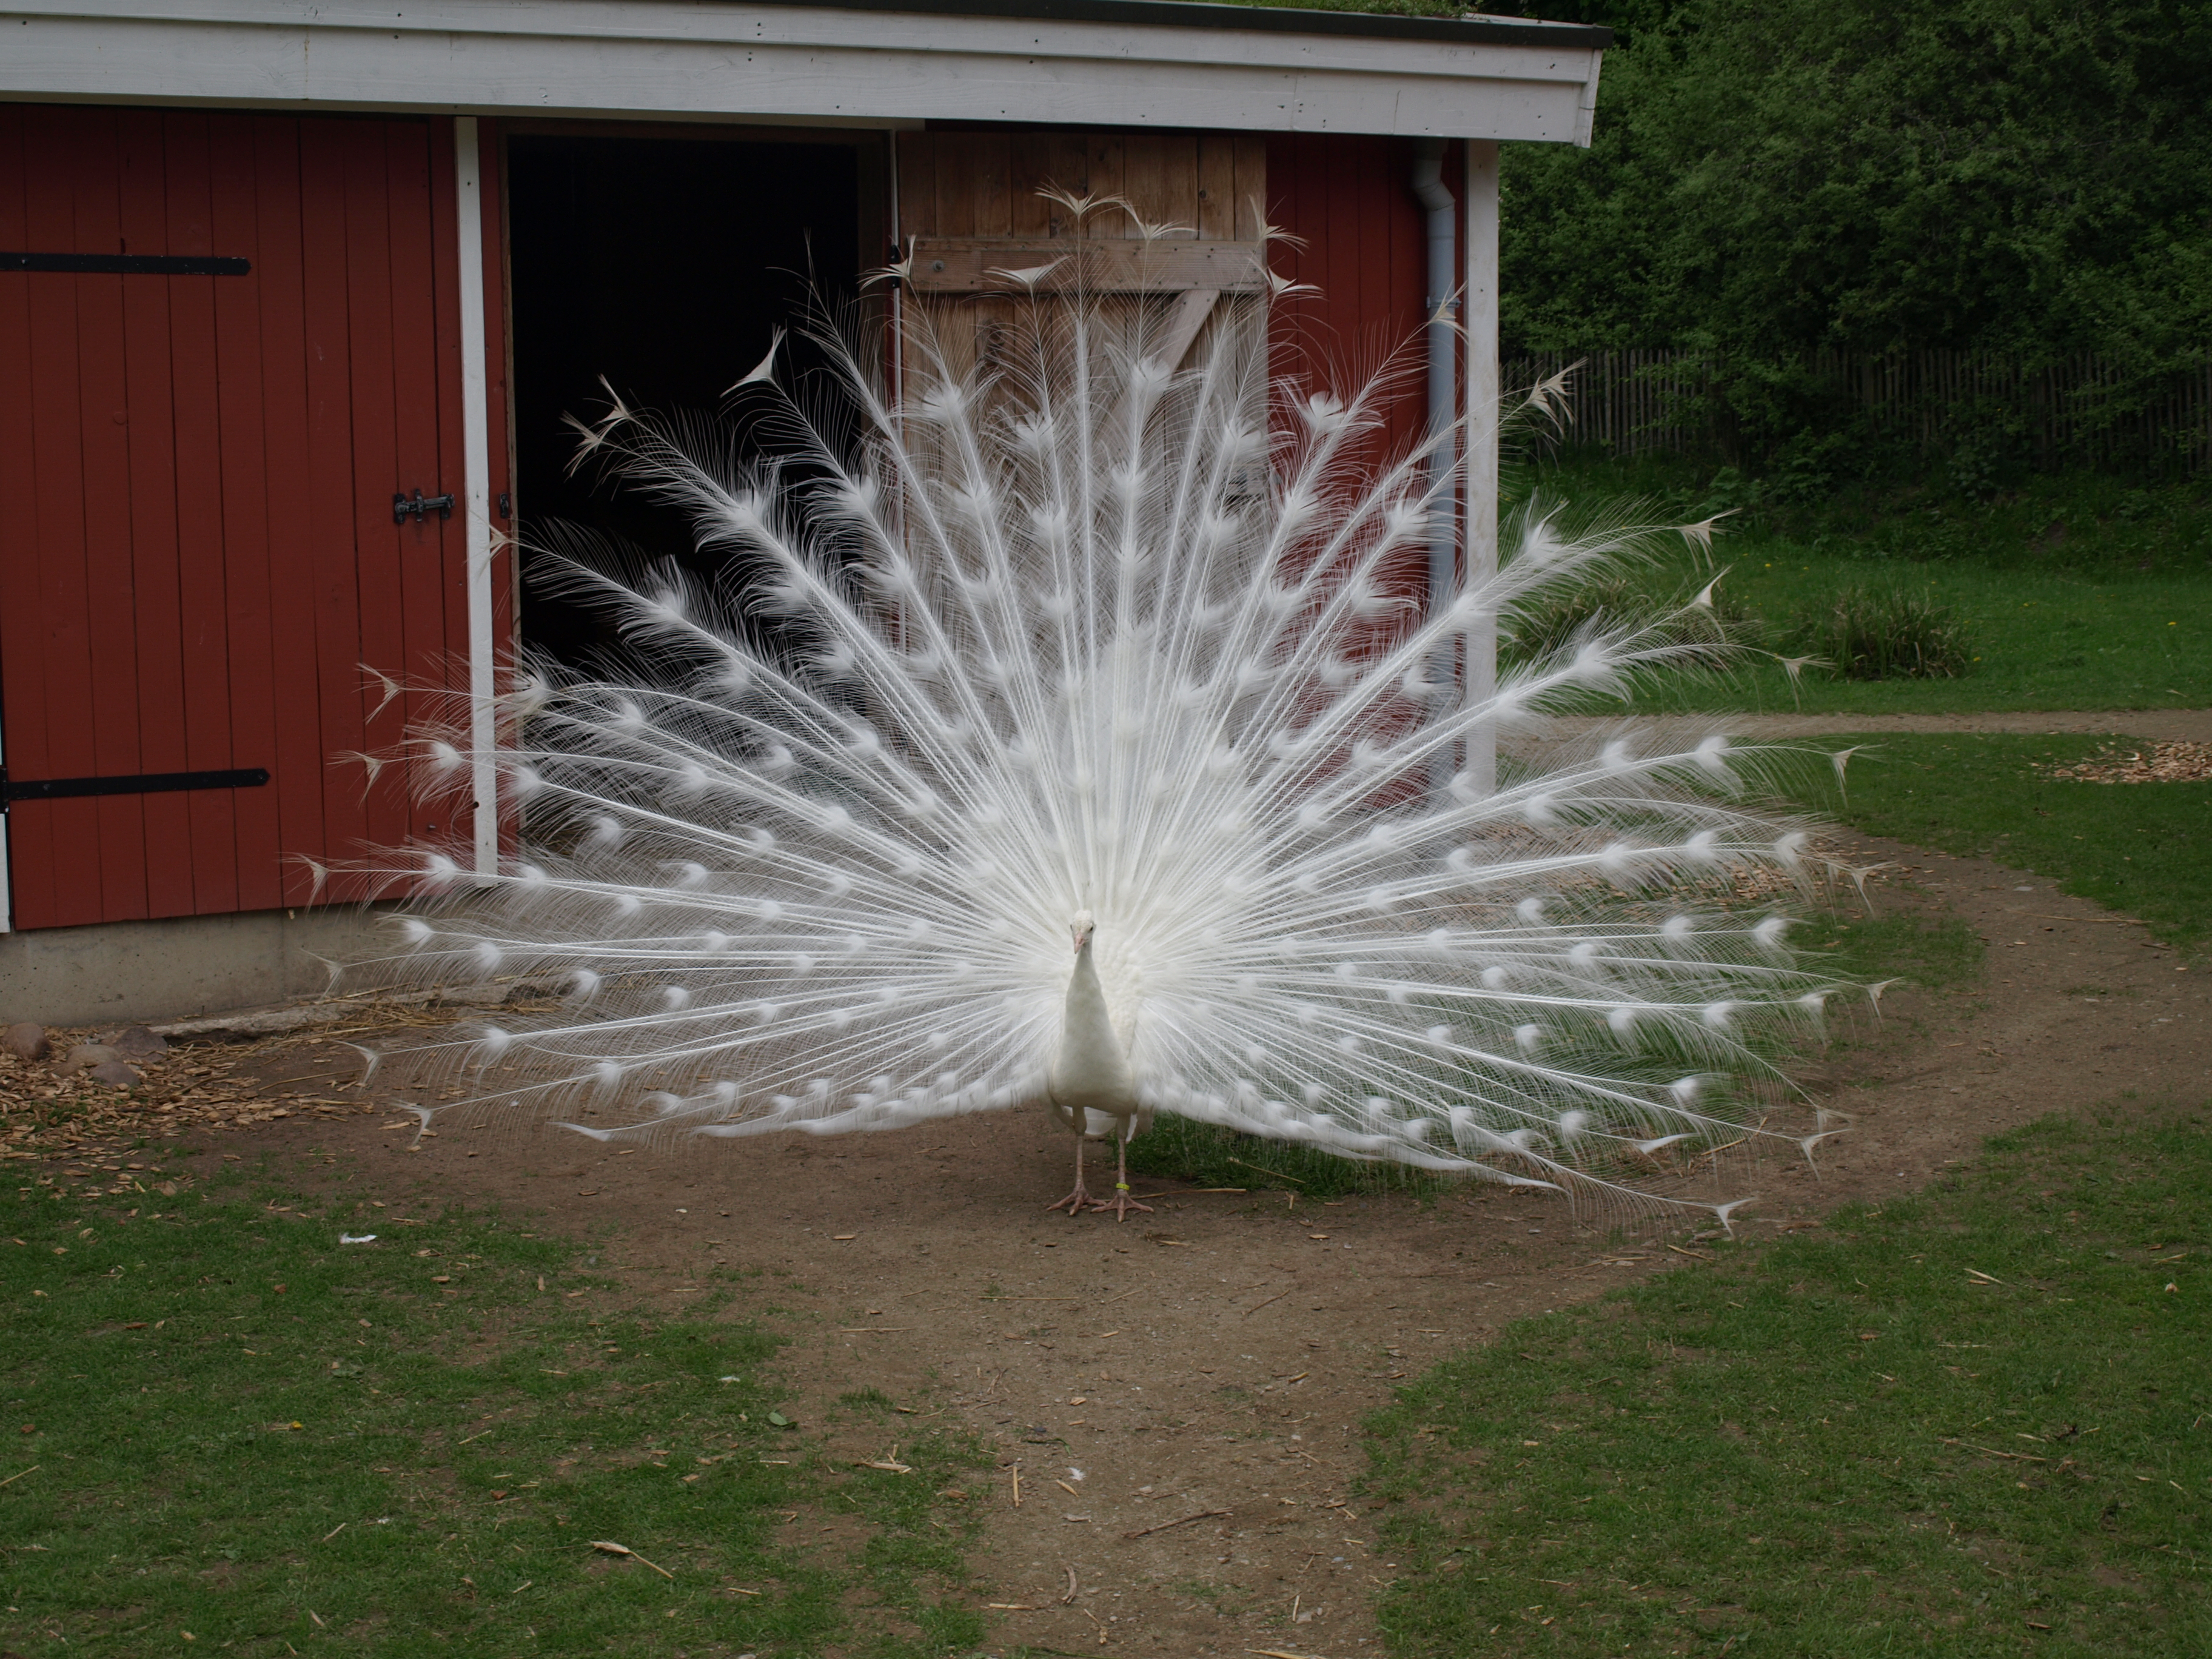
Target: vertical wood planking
[991, 184]
[1216, 186]
[1030, 171]
[1252, 210]
[203, 558]
[385, 558]
[1071, 170]
[248, 407]
[1106, 174]
[431, 551]
[203, 602]
[954, 212]
[1149, 182]
[309, 484]
[21, 659]
[149, 432]
[1361, 242]
[1348, 201]
[327, 167]
[112, 598]
[917, 182]
[50, 692]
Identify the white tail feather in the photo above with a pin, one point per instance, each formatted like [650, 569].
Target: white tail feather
[1124, 645]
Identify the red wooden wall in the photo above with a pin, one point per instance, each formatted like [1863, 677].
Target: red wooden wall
[199, 556]
[1362, 241]
[1347, 198]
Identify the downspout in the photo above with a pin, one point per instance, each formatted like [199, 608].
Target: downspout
[1443, 305]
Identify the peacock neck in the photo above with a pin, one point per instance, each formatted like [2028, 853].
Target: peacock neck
[1090, 1070]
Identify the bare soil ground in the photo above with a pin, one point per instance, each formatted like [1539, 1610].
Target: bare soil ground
[1181, 1394]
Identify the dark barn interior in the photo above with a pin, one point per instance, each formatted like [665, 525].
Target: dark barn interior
[665, 265]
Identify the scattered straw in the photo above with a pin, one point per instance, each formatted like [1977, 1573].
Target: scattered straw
[1170, 1526]
[606, 1547]
[2162, 763]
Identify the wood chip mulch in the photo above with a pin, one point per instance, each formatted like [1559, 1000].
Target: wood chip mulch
[2161, 762]
[193, 1086]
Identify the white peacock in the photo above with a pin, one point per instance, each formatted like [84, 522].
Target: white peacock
[1074, 637]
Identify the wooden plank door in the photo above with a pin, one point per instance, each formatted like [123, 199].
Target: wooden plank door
[236, 342]
[973, 201]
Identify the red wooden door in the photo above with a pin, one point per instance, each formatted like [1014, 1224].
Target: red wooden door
[1359, 238]
[199, 557]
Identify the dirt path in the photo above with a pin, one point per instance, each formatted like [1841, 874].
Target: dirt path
[1181, 1394]
[2152, 725]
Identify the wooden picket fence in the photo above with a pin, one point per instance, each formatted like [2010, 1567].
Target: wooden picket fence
[2082, 410]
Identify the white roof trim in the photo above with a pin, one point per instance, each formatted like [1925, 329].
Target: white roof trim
[799, 63]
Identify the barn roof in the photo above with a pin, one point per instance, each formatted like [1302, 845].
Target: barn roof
[867, 62]
[1291, 18]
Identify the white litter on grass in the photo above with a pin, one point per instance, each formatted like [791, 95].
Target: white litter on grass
[732, 1379]
[356, 1238]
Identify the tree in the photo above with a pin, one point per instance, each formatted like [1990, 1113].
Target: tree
[1773, 178]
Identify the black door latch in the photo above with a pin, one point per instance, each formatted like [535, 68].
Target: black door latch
[421, 507]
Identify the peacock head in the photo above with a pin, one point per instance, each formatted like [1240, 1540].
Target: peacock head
[1083, 928]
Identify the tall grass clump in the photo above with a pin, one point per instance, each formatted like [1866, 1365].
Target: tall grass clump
[1883, 631]
[1556, 621]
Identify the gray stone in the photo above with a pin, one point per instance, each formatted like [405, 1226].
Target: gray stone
[85, 1057]
[27, 1040]
[135, 1042]
[115, 1073]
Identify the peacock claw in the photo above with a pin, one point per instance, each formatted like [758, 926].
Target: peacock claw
[1076, 1202]
[1120, 1204]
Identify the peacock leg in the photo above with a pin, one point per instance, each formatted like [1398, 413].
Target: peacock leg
[1080, 1199]
[1121, 1203]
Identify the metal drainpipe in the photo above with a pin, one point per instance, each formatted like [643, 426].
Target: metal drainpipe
[1443, 411]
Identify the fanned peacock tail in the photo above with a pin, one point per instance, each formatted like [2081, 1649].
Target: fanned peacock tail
[1075, 629]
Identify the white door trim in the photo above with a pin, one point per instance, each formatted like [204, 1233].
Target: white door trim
[1480, 195]
[476, 497]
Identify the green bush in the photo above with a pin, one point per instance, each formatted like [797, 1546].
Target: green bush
[1879, 631]
[1771, 180]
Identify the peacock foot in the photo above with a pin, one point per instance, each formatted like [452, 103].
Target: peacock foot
[1120, 1204]
[1077, 1202]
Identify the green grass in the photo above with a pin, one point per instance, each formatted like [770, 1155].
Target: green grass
[2036, 639]
[1936, 956]
[2145, 848]
[236, 1427]
[1182, 1149]
[2115, 614]
[1850, 1444]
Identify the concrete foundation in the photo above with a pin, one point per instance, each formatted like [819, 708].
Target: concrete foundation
[122, 972]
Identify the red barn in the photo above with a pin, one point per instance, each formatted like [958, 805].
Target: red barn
[293, 299]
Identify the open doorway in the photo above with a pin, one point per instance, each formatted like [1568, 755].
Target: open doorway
[665, 265]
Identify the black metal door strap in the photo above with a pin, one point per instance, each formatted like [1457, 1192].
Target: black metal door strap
[420, 508]
[137, 783]
[126, 264]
